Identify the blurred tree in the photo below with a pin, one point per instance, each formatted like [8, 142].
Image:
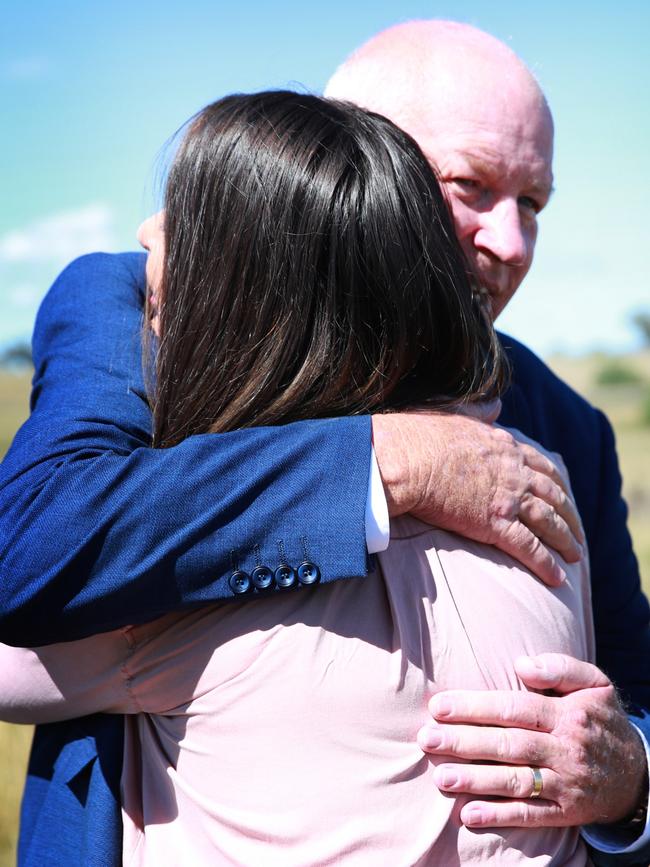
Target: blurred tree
[642, 322]
[645, 410]
[616, 372]
[18, 355]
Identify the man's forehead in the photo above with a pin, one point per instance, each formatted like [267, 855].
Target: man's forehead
[491, 150]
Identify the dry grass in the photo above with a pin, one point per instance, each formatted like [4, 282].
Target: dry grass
[14, 740]
[14, 405]
[14, 747]
[622, 404]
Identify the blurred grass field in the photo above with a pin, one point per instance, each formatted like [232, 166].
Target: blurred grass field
[623, 403]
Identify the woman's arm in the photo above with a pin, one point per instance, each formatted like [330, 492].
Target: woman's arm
[64, 681]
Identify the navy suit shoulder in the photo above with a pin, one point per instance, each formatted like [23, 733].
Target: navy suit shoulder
[545, 408]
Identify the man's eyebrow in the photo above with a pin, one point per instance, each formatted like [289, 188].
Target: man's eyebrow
[544, 190]
[483, 167]
[491, 169]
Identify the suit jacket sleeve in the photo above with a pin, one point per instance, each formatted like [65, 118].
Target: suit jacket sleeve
[98, 530]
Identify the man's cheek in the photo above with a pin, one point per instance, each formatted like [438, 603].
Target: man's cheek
[465, 221]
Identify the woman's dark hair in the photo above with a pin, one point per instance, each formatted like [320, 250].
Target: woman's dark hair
[311, 269]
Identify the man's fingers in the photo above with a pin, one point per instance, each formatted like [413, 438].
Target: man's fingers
[543, 487]
[523, 545]
[541, 464]
[513, 814]
[559, 672]
[483, 743]
[514, 781]
[524, 710]
[546, 523]
[548, 491]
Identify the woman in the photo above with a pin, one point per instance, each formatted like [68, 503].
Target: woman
[305, 266]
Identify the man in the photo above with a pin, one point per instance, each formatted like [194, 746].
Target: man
[483, 122]
[129, 533]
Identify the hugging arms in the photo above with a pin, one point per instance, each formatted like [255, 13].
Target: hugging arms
[84, 453]
[82, 490]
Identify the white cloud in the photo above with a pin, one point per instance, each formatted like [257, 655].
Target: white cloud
[61, 236]
[24, 296]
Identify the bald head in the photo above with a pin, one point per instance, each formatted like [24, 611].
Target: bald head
[480, 117]
[413, 72]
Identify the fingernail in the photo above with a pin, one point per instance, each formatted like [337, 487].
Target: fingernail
[447, 778]
[532, 664]
[442, 706]
[431, 738]
[474, 817]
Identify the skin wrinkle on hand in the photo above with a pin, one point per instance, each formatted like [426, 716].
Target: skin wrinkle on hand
[562, 734]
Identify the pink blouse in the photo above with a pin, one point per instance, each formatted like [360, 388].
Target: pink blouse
[282, 731]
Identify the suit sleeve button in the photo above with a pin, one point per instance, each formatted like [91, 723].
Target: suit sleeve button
[308, 573]
[240, 583]
[285, 576]
[262, 577]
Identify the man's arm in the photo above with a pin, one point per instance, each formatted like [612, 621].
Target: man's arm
[98, 530]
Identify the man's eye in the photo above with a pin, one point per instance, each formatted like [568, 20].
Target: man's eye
[529, 204]
[467, 184]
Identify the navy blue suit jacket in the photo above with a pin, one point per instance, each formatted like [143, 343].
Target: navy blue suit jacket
[97, 530]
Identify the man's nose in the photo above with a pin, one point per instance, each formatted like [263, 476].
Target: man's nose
[502, 234]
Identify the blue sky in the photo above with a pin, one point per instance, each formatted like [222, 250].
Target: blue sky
[90, 92]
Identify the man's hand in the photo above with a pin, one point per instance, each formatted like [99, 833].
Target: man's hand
[462, 474]
[591, 759]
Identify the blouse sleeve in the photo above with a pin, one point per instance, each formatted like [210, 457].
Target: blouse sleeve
[67, 680]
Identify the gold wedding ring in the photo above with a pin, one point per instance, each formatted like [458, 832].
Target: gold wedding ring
[538, 783]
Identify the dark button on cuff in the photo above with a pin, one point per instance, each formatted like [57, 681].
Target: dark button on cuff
[308, 573]
[285, 577]
[262, 577]
[240, 583]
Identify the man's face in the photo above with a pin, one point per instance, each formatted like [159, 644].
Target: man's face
[494, 159]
